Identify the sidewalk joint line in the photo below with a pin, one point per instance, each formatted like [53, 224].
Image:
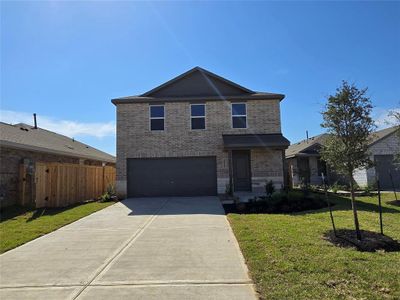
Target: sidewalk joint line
[127, 244]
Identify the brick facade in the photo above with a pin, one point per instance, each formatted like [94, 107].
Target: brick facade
[135, 140]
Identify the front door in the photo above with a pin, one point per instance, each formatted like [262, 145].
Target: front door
[303, 165]
[241, 170]
[387, 171]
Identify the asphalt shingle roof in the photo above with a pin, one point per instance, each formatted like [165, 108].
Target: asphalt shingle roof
[302, 146]
[26, 137]
[238, 141]
[305, 144]
[380, 134]
[186, 86]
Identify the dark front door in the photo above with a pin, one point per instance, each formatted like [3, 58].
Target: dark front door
[387, 171]
[186, 176]
[241, 170]
[303, 165]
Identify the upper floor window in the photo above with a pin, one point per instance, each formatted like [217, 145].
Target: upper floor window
[198, 116]
[239, 115]
[157, 117]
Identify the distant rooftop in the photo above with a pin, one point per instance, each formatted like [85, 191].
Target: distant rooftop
[304, 145]
[380, 134]
[311, 145]
[26, 137]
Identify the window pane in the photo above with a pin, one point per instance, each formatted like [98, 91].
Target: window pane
[198, 110]
[157, 111]
[198, 123]
[157, 124]
[238, 109]
[239, 122]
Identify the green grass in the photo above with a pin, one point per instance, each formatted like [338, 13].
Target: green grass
[289, 259]
[19, 225]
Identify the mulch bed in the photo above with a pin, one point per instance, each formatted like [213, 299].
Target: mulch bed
[262, 207]
[370, 241]
[394, 202]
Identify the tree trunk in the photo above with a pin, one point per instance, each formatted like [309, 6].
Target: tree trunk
[353, 206]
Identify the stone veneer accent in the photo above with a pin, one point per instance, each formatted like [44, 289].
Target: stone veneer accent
[135, 140]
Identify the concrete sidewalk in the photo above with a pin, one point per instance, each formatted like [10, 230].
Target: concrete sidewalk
[152, 248]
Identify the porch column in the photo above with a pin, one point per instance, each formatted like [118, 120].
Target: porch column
[285, 170]
[230, 162]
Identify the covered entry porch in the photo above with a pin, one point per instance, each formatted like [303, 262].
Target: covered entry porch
[255, 159]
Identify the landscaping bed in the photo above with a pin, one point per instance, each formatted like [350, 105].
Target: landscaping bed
[279, 202]
[370, 242]
[289, 256]
[19, 225]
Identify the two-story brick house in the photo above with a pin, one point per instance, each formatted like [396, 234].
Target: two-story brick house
[198, 134]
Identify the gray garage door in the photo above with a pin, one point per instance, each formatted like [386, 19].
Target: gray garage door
[386, 167]
[189, 176]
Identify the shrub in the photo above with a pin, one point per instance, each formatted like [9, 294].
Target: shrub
[111, 190]
[109, 195]
[286, 202]
[335, 187]
[269, 188]
[228, 189]
[277, 196]
[369, 188]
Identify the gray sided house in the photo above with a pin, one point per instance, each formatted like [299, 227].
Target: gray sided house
[384, 146]
[303, 161]
[25, 144]
[304, 164]
[198, 134]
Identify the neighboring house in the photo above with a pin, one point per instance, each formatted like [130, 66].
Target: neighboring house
[198, 134]
[25, 144]
[304, 163]
[384, 145]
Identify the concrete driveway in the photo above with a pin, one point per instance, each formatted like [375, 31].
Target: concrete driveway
[150, 248]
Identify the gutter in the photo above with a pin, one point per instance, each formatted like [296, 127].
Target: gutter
[139, 99]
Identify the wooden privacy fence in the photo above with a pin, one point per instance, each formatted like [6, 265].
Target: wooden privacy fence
[59, 184]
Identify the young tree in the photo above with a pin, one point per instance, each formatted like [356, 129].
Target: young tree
[347, 118]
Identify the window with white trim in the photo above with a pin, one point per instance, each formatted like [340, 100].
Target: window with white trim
[239, 115]
[157, 116]
[198, 116]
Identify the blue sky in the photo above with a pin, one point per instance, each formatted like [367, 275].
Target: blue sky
[66, 60]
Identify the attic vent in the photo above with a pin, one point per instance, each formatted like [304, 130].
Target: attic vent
[70, 147]
[87, 147]
[24, 129]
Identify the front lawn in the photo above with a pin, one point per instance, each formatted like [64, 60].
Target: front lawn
[19, 226]
[289, 259]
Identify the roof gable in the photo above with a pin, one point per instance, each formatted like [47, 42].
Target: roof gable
[381, 134]
[307, 146]
[197, 82]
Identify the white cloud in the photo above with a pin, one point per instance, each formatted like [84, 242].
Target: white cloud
[382, 117]
[65, 127]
